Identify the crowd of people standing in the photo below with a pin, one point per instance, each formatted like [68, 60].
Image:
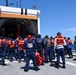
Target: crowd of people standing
[26, 48]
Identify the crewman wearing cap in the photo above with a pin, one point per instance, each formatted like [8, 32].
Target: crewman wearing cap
[30, 49]
[69, 44]
[39, 43]
[52, 52]
[20, 49]
[11, 44]
[47, 48]
[59, 45]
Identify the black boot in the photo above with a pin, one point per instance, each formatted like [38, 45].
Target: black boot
[3, 64]
[37, 69]
[57, 65]
[63, 66]
[25, 70]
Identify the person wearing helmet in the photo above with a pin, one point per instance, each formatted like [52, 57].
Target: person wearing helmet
[20, 49]
[47, 49]
[30, 49]
[59, 45]
[39, 43]
[11, 44]
[52, 40]
[69, 44]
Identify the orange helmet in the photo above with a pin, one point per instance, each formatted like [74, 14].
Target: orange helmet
[29, 36]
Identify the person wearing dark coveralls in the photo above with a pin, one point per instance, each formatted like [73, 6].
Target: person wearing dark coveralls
[20, 49]
[11, 44]
[69, 44]
[30, 49]
[52, 47]
[39, 43]
[59, 45]
[47, 48]
[2, 52]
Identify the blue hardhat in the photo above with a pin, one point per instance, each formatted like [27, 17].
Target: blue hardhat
[46, 36]
[39, 36]
[51, 37]
[59, 33]
[68, 38]
[75, 36]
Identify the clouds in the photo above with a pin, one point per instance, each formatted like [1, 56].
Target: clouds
[69, 29]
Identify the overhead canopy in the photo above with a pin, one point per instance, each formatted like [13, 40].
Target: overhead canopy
[12, 12]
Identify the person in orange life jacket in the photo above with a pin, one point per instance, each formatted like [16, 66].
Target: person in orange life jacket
[30, 50]
[39, 43]
[2, 52]
[16, 48]
[65, 47]
[20, 49]
[52, 51]
[69, 44]
[47, 49]
[4, 43]
[7, 48]
[75, 43]
[59, 45]
[11, 44]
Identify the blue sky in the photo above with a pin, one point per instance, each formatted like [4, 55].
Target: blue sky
[56, 15]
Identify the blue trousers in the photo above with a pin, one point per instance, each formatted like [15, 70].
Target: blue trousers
[11, 53]
[20, 54]
[52, 53]
[30, 55]
[60, 52]
[47, 54]
[70, 51]
[2, 55]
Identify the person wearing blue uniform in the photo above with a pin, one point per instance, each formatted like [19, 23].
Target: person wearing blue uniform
[11, 49]
[2, 51]
[47, 48]
[52, 52]
[69, 44]
[30, 49]
[59, 45]
[39, 43]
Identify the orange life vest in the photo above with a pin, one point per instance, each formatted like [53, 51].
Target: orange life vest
[4, 41]
[0, 42]
[52, 42]
[60, 40]
[11, 44]
[70, 42]
[20, 44]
